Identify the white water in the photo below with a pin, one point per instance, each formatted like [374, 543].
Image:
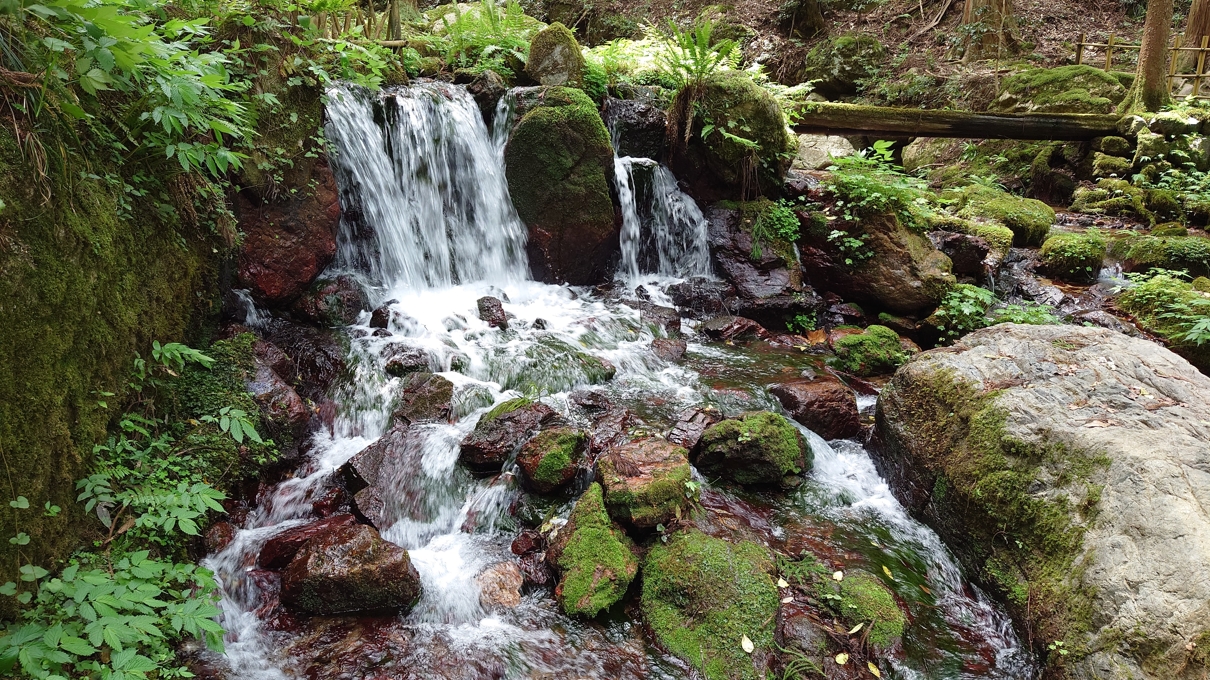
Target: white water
[455, 525]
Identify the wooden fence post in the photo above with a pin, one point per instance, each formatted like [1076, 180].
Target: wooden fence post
[1080, 51]
[1176, 57]
[1201, 66]
[1109, 53]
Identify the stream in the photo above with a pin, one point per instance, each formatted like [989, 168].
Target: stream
[433, 231]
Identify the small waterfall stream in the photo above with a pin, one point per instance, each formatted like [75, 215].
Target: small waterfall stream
[431, 228]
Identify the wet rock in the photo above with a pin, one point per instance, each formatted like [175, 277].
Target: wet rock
[318, 355]
[559, 163]
[219, 536]
[595, 558]
[590, 400]
[333, 501]
[691, 424]
[644, 481]
[536, 570]
[967, 253]
[672, 351]
[733, 328]
[1098, 317]
[639, 126]
[825, 406]
[700, 297]
[272, 356]
[555, 58]
[500, 586]
[665, 318]
[286, 414]
[552, 365]
[332, 302]
[758, 448]
[527, 542]
[904, 273]
[612, 429]
[424, 397]
[280, 550]
[755, 278]
[487, 89]
[491, 311]
[402, 359]
[349, 569]
[702, 594]
[361, 647]
[876, 351]
[549, 461]
[798, 631]
[381, 317]
[500, 431]
[1094, 442]
[287, 242]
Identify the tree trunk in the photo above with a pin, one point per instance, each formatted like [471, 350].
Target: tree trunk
[1197, 27]
[807, 20]
[1150, 89]
[990, 30]
[394, 25]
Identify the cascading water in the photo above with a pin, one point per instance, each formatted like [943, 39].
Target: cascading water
[432, 228]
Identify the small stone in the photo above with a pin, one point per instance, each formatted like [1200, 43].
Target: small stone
[280, 550]
[491, 310]
[424, 397]
[759, 448]
[690, 425]
[644, 481]
[672, 351]
[550, 460]
[825, 406]
[402, 359]
[500, 586]
[381, 317]
[734, 328]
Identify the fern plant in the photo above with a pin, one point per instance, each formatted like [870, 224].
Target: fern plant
[689, 58]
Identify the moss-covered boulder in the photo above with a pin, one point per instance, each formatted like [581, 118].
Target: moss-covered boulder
[1112, 197]
[500, 431]
[1140, 253]
[644, 481]
[1066, 89]
[550, 460]
[555, 58]
[758, 448]
[895, 267]
[1170, 307]
[547, 366]
[1004, 444]
[860, 598]
[594, 557]
[1074, 257]
[1029, 219]
[877, 351]
[558, 163]
[702, 596]
[839, 65]
[717, 167]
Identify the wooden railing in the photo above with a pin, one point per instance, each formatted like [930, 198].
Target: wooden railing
[1199, 79]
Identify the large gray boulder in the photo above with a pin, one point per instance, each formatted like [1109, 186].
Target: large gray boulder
[1069, 469]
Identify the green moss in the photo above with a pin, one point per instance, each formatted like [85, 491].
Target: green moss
[1066, 89]
[731, 101]
[1201, 284]
[555, 42]
[1104, 165]
[1028, 219]
[560, 451]
[1141, 253]
[1169, 307]
[702, 595]
[505, 408]
[874, 352]
[549, 365]
[1075, 257]
[999, 237]
[843, 64]
[863, 599]
[1021, 544]
[645, 505]
[757, 448]
[598, 562]
[1112, 197]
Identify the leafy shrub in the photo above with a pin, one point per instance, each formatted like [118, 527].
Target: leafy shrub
[802, 323]
[1029, 314]
[1141, 253]
[869, 183]
[1170, 307]
[963, 310]
[688, 58]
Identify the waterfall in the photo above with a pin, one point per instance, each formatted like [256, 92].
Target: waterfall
[422, 182]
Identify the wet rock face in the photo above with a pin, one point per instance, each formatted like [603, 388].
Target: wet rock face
[499, 433]
[286, 413]
[669, 350]
[424, 397]
[287, 243]
[700, 297]
[500, 586]
[759, 448]
[966, 252]
[734, 328]
[487, 89]
[350, 569]
[332, 302]
[280, 550]
[491, 311]
[317, 354]
[644, 481]
[825, 406]
[549, 461]
[1068, 423]
[595, 558]
[403, 359]
[640, 126]
[369, 475]
[690, 426]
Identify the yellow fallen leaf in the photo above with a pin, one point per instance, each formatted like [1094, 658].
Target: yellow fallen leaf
[857, 628]
[838, 576]
[873, 669]
[781, 583]
[842, 659]
[787, 600]
[747, 644]
[887, 570]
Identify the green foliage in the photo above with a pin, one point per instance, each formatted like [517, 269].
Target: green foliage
[598, 561]
[802, 323]
[488, 34]
[1075, 257]
[119, 612]
[776, 222]
[869, 183]
[1182, 253]
[853, 248]
[1170, 307]
[1029, 313]
[873, 352]
[690, 57]
[964, 310]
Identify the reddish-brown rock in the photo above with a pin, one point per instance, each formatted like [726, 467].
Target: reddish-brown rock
[347, 569]
[496, 436]
[825, 406]
[288, 242]
[669, 350]
[281, 549]
[500, 585]
[690, 425]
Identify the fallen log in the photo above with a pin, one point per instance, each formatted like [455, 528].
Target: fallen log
[854, 119]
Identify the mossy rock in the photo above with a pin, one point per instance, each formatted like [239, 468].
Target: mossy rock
[595, 557]
[840, 65]
[1201, 284]
[877, 351]
[549, 461]
[1114, 146]
[758, 448]
[1030, 220]
[555, 58]
[999, 237]
[1066, 89]
[1112, 197]
[863, 599]
[559, 162]
[548, 366]
[714, 165]
[1104, 165]
[1169, 229]
[1140, 253]
[644, 482]
[1075, 257]
[1164, 204]
[504, 408]
[703, 595]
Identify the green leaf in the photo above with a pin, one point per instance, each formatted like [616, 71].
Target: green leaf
[22, 503]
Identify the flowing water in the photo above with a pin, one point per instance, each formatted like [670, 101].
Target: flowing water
[430, 228]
